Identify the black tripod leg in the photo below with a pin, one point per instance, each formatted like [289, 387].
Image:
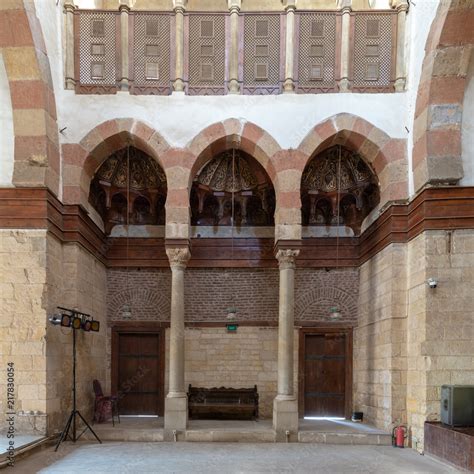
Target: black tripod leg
[88, 426]
[65, 431]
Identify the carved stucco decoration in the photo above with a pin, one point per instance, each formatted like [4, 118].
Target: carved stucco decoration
[357, 183]
[147, 193]
[238, 174]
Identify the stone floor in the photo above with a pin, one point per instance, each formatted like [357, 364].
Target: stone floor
[226, 458]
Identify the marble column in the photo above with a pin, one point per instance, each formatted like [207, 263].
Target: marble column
[289, 84]
[179, 9]
[400, 70]
[285, 405]
[70, 80]
[124, 9]
[176, 403]
[234, 9]
[346, 8]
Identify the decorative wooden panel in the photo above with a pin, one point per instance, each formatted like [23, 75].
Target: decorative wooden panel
[262, 57]
[207, 43]
[97, 52]
[373, 52]
[316, 52]
[150, 59]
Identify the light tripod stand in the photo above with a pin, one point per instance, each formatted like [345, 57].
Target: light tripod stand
[76, 321]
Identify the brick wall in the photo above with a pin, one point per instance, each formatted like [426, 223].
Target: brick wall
[208, 292]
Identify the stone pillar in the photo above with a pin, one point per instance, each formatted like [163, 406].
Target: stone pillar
[70, 80]
[234, 9]
[285, 405]
[179, 9]
[289, 84]
[176, 403]
[400, 71]
[346, 8]
[124, 9]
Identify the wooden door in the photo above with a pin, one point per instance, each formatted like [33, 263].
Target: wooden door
[326, 365]
[139, 381]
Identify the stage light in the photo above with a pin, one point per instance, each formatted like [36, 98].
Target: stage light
[86, 325]
[55, 319]
[95, 325]
[76, 322]
[65, 320]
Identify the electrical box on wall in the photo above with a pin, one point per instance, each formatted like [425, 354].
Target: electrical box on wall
[457, 405]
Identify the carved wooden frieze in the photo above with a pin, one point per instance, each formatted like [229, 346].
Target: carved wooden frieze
[117, 202]
[338, 168]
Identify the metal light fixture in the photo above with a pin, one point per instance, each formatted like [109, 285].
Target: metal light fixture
[334, 312]
[232, 310]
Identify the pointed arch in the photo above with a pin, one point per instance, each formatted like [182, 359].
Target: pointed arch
[82, 160]
[386, 155]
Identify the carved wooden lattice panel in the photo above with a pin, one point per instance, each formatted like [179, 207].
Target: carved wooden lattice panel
[261, 54]
[206, 54]
[97, 51]
[151, 53]
[373, 49]
[317, 52]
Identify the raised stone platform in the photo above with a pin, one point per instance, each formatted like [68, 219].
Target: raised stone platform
[310, 431]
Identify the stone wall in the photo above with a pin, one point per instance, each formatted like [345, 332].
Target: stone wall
[216, 358]
[440, 324]
[75, 280]
[23, 325]
[380, 339]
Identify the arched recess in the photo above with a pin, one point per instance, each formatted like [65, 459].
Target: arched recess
[316, 304]
[36, 151]
[183, 165]
[83, 159]
[385, 155]
[437, 147]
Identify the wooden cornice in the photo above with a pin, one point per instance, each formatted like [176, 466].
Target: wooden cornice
[447, 208]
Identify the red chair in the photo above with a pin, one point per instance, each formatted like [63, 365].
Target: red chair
[105, 407]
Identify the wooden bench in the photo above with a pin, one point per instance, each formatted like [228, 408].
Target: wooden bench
[223, 403]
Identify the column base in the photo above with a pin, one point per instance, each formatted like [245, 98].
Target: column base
[344, 85]
[289, 86]
[178, 85]
[234, 87]
[285, 418]
[400, 84]
[176, 416]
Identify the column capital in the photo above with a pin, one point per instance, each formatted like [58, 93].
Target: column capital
[287, 258]
[399, 5]
[344, 5]
[289, 5]
[179, 6]
[178, 256]
[124, 7]
[69, 6]
[234, 5]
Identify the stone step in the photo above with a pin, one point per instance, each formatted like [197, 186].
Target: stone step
[127, 434]
[376, 439]
[230, 436]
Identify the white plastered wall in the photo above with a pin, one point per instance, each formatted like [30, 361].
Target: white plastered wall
[288, 118]
[468, 128]
[7, 137]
